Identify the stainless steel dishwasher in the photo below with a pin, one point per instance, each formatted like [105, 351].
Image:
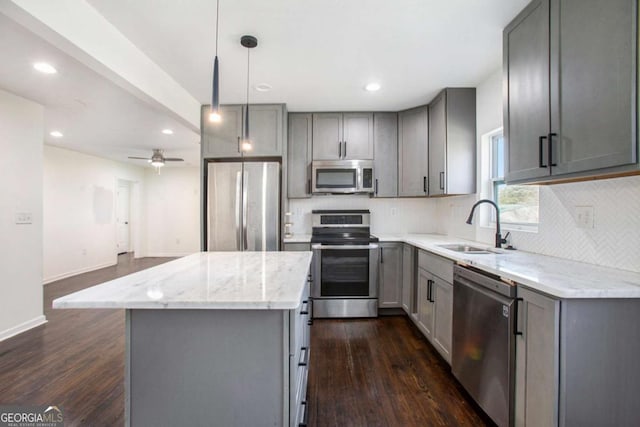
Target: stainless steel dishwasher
[483, 350]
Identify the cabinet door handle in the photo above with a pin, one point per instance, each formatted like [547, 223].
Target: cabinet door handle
[339, 150]
[550, 155]
[376, 187]
[515, 317]
[424, 184]
[540, 151]
[304, 361]
[442, 180]
[238, 144]
[344, 155]
[381, 255]
[310, 321]
[305, 418]
[429, 290]
[306, 310]
[308, 186]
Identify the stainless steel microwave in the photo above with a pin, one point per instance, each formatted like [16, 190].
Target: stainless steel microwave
[342, 176]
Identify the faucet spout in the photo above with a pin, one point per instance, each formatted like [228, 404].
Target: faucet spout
[499, 239]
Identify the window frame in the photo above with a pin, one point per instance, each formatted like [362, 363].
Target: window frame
[490, 174]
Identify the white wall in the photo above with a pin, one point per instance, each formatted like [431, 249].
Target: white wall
[79, 211]
[615, 238]
[171, 212]
[21, 127]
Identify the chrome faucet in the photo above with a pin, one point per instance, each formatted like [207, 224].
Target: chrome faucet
[499, 239]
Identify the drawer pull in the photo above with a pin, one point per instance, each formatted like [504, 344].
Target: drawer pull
[310, 321]
[305, 417]
[304, 361]
[304, 311]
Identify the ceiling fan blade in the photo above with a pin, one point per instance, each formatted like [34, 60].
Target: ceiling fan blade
[173, 159]
[139, 158]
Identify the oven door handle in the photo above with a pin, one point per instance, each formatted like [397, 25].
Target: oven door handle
[319, 246]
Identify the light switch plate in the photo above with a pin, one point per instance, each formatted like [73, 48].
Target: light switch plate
[584, 216]
[24, 218]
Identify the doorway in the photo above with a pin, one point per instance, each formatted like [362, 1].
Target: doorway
[123, 217]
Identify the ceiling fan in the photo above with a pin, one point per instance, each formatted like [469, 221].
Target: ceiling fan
[157, 159]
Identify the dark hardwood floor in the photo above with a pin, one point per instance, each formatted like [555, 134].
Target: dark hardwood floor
[377, 372]
[382, 372]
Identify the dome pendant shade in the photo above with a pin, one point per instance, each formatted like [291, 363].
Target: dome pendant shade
[215, 99]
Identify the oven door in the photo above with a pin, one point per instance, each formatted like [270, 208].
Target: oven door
[345, 271]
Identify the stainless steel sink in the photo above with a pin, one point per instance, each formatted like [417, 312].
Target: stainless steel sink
[467, 249]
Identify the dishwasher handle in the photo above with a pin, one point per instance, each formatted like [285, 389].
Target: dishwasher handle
[516, 313]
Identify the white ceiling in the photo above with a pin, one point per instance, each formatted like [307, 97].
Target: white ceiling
[319, 54]
[96, 116]
[316, 54]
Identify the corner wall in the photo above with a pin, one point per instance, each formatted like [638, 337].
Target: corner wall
[21, 126]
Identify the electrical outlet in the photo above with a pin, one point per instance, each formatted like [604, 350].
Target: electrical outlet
[24, 218]
[584, 216]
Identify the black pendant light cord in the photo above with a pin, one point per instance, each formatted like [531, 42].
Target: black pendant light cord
[246, 123]
[217, 23]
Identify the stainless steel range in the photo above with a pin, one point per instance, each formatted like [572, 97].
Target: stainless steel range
[345, 264]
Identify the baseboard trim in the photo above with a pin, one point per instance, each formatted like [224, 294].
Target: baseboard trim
[166, 254]
[23, 327]
[76, 272]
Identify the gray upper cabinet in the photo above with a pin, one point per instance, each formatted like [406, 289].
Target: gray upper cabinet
[299, 155]
[390, 292]
[343, 136]
[413, 161]
[452, 142]
[222, 140]
[570, 89]
[327, 136]
[385, 135]
[265, 129]
[593, 84]
[357, 143]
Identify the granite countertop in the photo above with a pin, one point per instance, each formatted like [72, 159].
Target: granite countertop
[554, 276]
[206, 280]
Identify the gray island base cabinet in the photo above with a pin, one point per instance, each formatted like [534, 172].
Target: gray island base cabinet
[213, 338]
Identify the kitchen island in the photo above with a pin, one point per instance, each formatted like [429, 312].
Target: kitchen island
[214, 338]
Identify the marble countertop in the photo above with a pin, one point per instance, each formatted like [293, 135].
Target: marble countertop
[554, 276]
[206, 280]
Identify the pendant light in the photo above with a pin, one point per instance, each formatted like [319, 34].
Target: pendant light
[214, 115]
[249, 42]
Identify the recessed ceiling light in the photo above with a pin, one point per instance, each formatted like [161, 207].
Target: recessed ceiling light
[45, 68]
[167, 131]
[372, 87]
[263, 87]
[56, 134]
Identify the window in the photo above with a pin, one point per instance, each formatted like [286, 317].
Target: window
[518, 203]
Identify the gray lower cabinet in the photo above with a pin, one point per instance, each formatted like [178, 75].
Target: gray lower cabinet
[413, 154]
[390, 279]
[435, 301]
[299, 155]
[217, 367]
[342, 136]
[409, 291]
[266, 130]
[576, 361]
[385, 144]
[452, 142]
[570, 69]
